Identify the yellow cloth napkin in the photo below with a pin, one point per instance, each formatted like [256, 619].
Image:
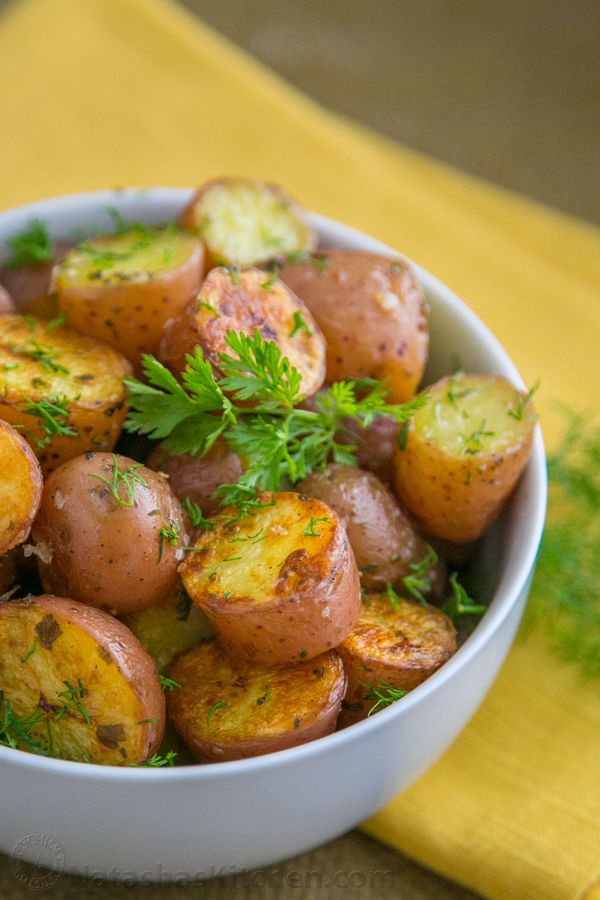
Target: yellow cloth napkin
[98, 93]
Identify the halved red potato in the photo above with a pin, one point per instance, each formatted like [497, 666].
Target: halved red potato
[63, 390]
[29, 286]
[6, 303]
[244, 221]
[87, 687]
[198, 477]
[170, 627]
[464, 452]
[384, 540]
[122, 288]
[227, 708]
[278, 586]
[20, 488]
[372, 313]
[109, 533]
[243, 302]
[392, 646]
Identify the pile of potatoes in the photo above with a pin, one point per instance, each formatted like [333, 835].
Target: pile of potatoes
[248, 635]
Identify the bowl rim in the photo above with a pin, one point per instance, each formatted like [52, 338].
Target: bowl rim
[504, 599]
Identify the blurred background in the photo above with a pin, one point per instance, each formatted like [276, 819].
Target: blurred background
[508, 90]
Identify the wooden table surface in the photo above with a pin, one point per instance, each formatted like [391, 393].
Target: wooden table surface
[506, 90]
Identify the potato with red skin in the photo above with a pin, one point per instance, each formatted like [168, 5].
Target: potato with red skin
[243, 221]
[278, 586]
[29, 286]
[122, 288]
[464, 452]
[94, 687]
[20, 488]
[375, 445]
[398, 644]
[198, 477]
[120, 555]
[228, 709]
[372, 313]
[244, 302]
[384, 540]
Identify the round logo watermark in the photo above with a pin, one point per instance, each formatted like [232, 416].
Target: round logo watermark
[38, 861]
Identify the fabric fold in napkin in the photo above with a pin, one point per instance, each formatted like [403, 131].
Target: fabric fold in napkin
[136, 92]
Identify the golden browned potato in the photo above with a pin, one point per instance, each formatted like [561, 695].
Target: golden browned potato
[279, 586]
[84, 685]
[122, 288]
[243, 221]
[170, 627]
[63, 390]
[384, 540]
[245, 301]
[392, 647]
[109, 533]
[198, 477]
[20, 488]
[6, 303]
[230, 709]
[463, 454]
[373, 315]
[29, 285]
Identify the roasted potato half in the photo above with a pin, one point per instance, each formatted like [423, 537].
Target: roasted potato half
[372, 313]
[122, 288]
[384, 540]
[63, 390]
[83, 684]
[244, 222]
[278, 586]
[246, 301]
[392, 646]
[20, 488]
[198, 477]
[170, 627]
[463, 454]
[109, 533]
[230, 709]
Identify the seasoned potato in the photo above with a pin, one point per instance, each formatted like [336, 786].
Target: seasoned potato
[170, 627]
[122, 288]
[6, 303]
[29, 286]
[230, 709]
[397, 646]
[84, 682]
[243, 302]
[375, 445]
[20, 488]
[64, 390]
[244, 222]
[384, 540]
[198, 477]
[109, 533]
[278, 586]
[373, 315]
[463, 454]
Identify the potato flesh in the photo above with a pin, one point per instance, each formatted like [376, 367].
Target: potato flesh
[75, 657]
[226, 705]
[245, 222]
[20, 488]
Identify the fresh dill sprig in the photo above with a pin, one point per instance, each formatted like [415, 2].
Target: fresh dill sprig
[220, 704]
[16, 731]
[460, 604]
[41, 354]
[300, 325]
[195, 514]
[310, 530]
[383, 694]
[170, 532]
[127, 478]
[33, 246]
[72, 699]
[168, 684]
[53, 415]
[157, 761]
[418, 583]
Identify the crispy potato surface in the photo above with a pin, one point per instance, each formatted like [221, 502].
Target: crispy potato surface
[170, 627]
[396, 645]
[244, 222]
[230, 709]
[245, 301]
[109, 533]
[463, 454]
[198, 477]
[64, 390]
[89, 686]
[384, 540]
[279, 586]
[122, 288]
[372, 313]
[20, 488]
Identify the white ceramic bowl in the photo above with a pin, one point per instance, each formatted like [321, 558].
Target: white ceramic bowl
[157, 824]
